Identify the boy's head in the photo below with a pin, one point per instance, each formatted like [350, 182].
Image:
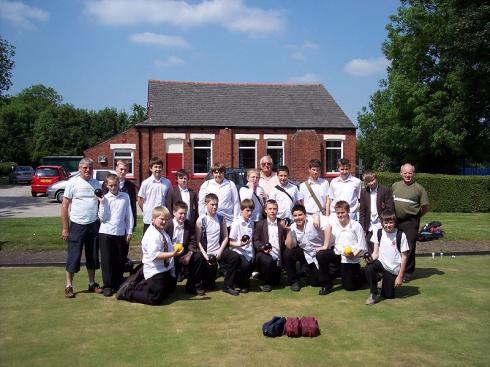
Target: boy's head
[342, 210]
[253, 176]
[283, 175]
[211, 200]
[388, 220]
[271, 208]
[343, 166]
[314, 169]
[182, 178]
[180, 211]
[156, 167]
[160, 215]
[218, 171]
[121, 168]
[370, 180]
[112, 183]
[247, 207]
[299, 214]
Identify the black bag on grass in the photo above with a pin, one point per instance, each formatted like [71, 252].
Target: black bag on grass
[274, 327]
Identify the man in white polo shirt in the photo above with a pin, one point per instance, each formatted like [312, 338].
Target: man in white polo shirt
[268, 179]
[81, 226]
[344, 188]
[153, 191]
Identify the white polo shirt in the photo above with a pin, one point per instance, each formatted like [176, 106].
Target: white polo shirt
[227, 193]
[84, 203]
[284, 202]
[213, 230]
[347, 190]
[352, 235]
[248, 193]
[115, 214]
[310, 239]
[389, 255]
[151, 245]
[155, 194]
[239, 228]
[268, 183]
[320, 188]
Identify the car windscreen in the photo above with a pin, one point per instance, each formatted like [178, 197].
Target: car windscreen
[46, 172]
[24, 169]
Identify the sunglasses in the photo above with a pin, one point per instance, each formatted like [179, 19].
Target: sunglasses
[266, 164]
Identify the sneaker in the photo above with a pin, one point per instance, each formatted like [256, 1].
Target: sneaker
[255, 275]
[295, 287]
[69, 292]
[325, 290]
[95, 288]
[265, 288]
[107, 292]
[372, 299]
[231, 291]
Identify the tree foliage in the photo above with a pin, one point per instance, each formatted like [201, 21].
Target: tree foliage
[36, 123]
[7, 53]
[433, 108]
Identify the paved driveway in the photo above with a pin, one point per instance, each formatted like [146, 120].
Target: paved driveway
[16, 201]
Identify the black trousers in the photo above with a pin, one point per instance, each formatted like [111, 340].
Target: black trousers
[410, 226]
[244, 271]
[229, 263]
[268, 269]
[154, 290]
[112, 259]
[351, 276]
[195, 267]
[291, 256]
[372, 270]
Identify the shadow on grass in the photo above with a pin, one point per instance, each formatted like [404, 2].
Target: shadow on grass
[407, 291]
[422, 273]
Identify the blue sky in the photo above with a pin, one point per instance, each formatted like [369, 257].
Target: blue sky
[100, 54]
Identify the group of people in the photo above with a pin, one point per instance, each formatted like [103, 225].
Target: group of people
[319, 230]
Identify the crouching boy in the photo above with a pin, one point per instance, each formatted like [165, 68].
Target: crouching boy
[389, 258]
[158, 264]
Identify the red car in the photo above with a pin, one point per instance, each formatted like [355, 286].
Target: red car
[44, 176]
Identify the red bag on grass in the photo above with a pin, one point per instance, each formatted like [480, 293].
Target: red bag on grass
[309, 327]
[293, 327]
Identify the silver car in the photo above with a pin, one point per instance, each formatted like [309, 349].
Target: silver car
[56, 190]
[21, 174]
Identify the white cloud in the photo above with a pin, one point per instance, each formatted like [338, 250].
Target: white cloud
[234, 15]
[169, 61]
[308, 78]
[299, 51]
[365, 67]
[160, 40]
[21, 15]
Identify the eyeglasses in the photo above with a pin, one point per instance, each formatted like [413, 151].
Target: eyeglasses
[266, 164]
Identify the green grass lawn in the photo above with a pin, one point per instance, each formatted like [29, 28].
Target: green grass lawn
[440, 319]
[45, 233]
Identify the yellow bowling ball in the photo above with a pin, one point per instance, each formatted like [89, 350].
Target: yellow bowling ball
[348, 251]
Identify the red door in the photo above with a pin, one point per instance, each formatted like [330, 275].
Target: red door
[174, 163]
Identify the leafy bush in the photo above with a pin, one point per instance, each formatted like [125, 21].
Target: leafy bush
[449, 193]
[5, 168]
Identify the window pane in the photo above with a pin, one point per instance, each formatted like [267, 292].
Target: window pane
[334, 144]
[125, 155]
[333, 154]
[274, 143]
[246, 154]
[246, 143]
[202, 156]
[202, 143]
[277, 157]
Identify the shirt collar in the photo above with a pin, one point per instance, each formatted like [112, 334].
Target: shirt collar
[177, 225]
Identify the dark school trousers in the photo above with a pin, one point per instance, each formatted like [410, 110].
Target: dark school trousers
[291, 256]
[112, 259]
[268, 269]
[410, 226]
[229, 263]
[244, 271]
[154, 290]
[351, 276]
[372, 270]
[195, 272]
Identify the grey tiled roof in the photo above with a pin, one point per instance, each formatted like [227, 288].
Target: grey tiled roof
[243, 105]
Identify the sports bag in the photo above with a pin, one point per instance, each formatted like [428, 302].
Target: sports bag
[274, 327]
[309, 327]
[293, 327]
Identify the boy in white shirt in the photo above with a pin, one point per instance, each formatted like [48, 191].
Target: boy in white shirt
[116, 228]
[153, 191]
[314, 191]
[255, 193]
[389, 258]
[241, 235]
[212, 237]
[285, 194]
[158, 264]
[350, 243]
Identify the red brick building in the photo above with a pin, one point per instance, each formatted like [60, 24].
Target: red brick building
[193, 125]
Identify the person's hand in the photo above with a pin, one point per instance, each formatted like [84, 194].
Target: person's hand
[398, 281]
[128, 237]
[64, 234]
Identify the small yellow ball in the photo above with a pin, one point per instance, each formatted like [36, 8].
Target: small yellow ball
[348, 251]
[178, 247]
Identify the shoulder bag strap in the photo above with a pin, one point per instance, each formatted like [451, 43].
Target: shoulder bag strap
[312, 193]
[284, 191]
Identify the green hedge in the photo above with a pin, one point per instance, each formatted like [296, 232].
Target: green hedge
[5, 168]
[450, 193]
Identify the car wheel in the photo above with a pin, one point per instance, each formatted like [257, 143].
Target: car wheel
[34, 194]
[59, 196]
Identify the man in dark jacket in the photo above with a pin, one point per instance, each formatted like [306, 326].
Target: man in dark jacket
[374, 199]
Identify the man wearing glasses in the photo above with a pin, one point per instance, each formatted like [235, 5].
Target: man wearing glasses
[225, 190]
[268, 179]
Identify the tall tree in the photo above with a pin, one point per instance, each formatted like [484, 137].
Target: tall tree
[433, 109]
[7, 53]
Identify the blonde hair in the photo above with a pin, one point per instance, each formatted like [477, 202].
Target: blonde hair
[160, 210]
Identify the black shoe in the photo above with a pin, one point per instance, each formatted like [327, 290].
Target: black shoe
[200, 292]
[94, 288]
[295, 287]
[326, 289]
[265, 288]
[243, 290]
[107, 292]
[231, 291]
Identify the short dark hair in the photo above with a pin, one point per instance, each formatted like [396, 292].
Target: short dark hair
[220, 167]
[155, 160]
[315, 163]
[342, 205]
[343, 162]
[181, 173]
[247, 204]
[388, 214]
[298, 207]
[272, 202]
[180, 205]
[210, 197]
[283, 168]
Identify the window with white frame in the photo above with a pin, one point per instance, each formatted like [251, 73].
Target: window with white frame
[334, 150]
[247, 150]
[123, 152]
[275, 148]
[201, 155]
